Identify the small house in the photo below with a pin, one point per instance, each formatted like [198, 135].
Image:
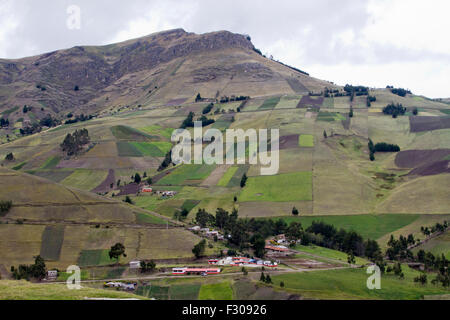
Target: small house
[52, 274]
[135, 265]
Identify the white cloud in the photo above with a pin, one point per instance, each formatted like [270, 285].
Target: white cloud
[374, 42]
[413, 24]
[426, 78]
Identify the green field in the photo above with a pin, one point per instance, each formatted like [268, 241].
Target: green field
[85, 179]
[156, 130]
[438, 246]
[23, 290]
[330, 116]
[184, 292]
[145, 218]
[280, 188]
[368, 226]
[225, 180]
[51, 162]
[19, 166]
[330, 254]
[306, 140]
[270, 103]
[95, 258]
[350, 284]
[152, 291]
[142, 149]
[216, 291]
[187, 174]
[128, 133]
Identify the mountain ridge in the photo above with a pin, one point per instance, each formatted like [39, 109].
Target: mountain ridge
[87, 79]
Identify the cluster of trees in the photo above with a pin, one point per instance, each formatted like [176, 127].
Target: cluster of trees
[208, 108]
[166, 162]
[117, 251]
[438, 264]
[4, 123]
[226, 99]
[244, 180]
[49, 121]
[29, 130]
[381, 147]
[198, 98]
[9, 157]
[353, 91]
[148, 267]
[41, 87]
[399, 91]
[265, 279]
[326, 235]
[386, 147]
[332, 93]
[189, 121]
[246, 233]
[26, 108]
[79, 118]
[438, 227]
[35, 271]
[199, 249]
[205, 121]
[73, 143]
[370, 99]
[394, 109]
[399, 249]
[5, 206]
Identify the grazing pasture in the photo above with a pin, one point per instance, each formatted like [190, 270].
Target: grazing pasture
[51, 162]
[187, 174]
[270, 103]
[85, 179]
[368, 226]
[438, 246]
[184, 291]
[90, 258]
[306, 141]
[24, 290]
[349, 284]
[53, 175]
[280, 188]
[128, 133]
[225, 180]
[216, 291]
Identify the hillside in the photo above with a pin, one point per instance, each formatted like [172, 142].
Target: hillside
[70, 208]
[165, 67]
[68, 226]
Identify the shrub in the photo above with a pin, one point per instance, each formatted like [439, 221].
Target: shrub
[5, 206]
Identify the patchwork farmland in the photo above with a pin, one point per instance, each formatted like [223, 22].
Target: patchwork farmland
[342, 163]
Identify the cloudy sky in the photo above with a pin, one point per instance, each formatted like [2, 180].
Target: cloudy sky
[372, 42]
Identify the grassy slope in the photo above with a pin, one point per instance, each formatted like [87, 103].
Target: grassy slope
[369, 226]
[351, 284]
[273, 188]
[23, 290]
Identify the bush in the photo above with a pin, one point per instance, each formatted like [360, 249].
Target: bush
[9, 157]
[394, 110]
[5, 206]
[385, 147]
